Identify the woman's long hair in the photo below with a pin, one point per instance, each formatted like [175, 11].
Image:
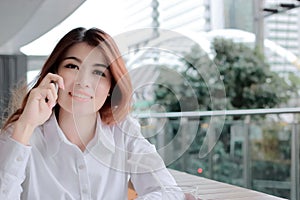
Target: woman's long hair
[117, 105]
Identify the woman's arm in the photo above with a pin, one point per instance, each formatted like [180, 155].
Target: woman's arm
[38, 108]
[14, 157]
[14, 142]
[167, 188]
[149, 175]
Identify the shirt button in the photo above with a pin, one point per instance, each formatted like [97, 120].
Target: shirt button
[84, 191]
[81, 166]
[19, 158]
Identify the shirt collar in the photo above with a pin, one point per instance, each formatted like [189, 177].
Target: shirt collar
[54, 137]
[104, 136]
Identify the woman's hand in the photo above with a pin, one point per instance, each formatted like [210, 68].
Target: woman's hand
[38, 108]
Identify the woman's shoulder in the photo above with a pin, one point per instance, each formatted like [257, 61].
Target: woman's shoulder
[129, 120]
[130, 125]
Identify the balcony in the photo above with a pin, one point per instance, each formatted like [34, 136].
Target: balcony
[260, 154]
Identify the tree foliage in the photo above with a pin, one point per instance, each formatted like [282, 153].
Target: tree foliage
[248, 83]
[248, 80]
[245, 75]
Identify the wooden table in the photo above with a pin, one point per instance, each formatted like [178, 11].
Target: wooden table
[214, 190]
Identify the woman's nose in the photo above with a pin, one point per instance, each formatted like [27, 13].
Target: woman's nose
[82, 79]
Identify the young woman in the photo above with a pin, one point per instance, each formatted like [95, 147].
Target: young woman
[72, 137]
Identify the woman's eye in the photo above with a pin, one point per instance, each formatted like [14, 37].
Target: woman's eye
[72, 66]
[99, 73]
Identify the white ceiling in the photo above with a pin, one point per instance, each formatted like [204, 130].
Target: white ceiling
[23, 21]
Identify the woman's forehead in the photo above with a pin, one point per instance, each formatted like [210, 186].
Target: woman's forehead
[86, 53]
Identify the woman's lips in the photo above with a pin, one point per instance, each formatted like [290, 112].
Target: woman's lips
[80, 96]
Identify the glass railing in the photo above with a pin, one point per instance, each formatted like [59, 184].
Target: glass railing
[257, 149]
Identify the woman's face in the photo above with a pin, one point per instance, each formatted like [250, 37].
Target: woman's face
[86, 78]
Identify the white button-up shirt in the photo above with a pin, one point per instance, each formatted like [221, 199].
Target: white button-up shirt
[53, 168]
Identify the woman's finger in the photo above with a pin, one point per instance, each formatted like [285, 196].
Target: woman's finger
[50, 78]
[54, 89]
[51, 97]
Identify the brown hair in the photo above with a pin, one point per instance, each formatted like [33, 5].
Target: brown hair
[117, 105]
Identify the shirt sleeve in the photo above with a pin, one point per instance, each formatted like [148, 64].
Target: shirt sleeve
[149, 175]
[13, 161]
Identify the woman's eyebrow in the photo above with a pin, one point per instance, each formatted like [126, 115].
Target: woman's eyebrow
[79, 60]
[100, 65]
[72, 58]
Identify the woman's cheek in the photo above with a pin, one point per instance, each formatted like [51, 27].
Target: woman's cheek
[102, 90]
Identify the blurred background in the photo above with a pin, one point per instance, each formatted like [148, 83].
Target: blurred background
[216, 81]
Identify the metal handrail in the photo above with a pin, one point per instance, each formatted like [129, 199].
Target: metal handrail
[295, 143]
[216, 113]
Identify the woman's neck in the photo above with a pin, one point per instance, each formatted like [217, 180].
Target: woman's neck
[78, 129]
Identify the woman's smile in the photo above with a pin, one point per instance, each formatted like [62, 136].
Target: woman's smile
[80, 96]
